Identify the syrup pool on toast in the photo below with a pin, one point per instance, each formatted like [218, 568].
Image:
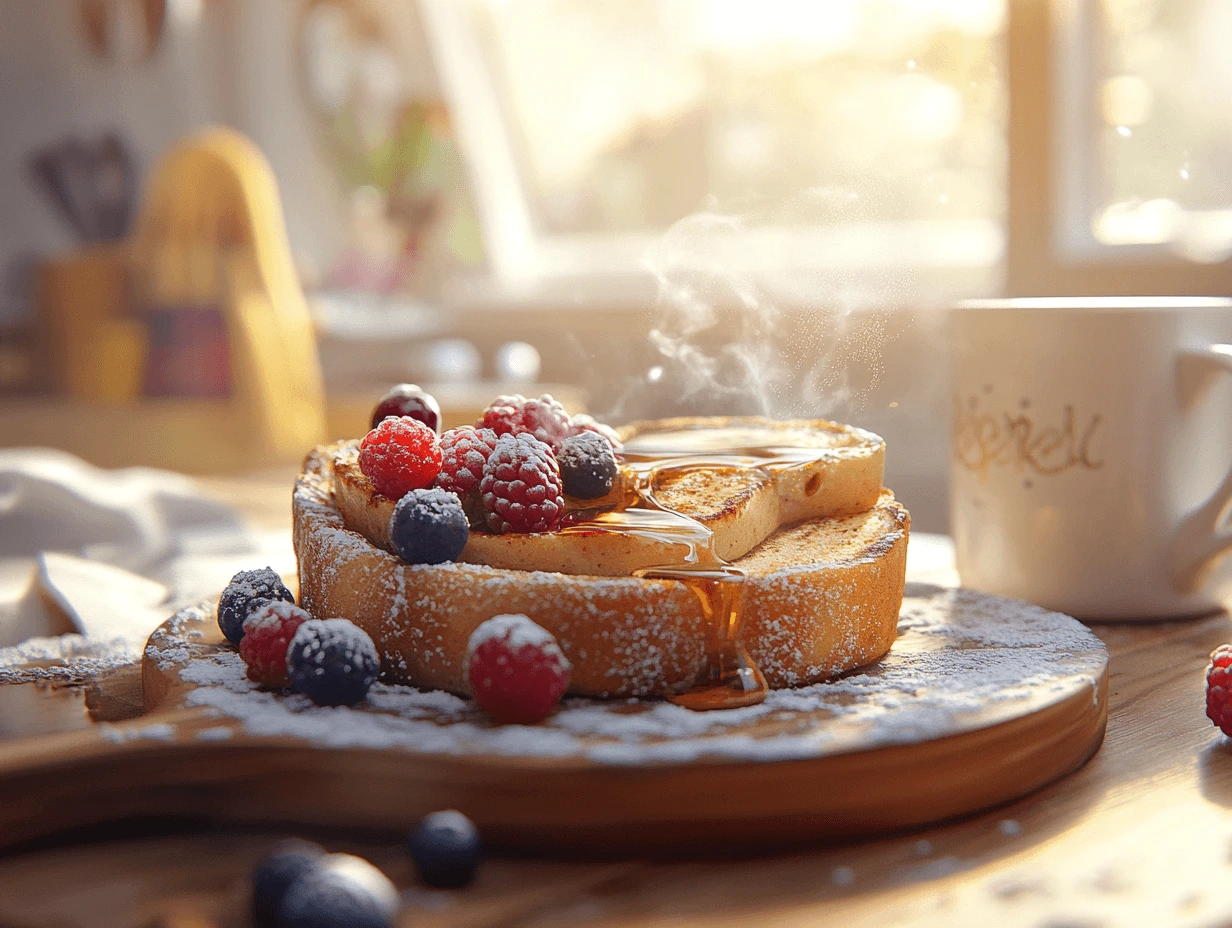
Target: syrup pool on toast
[732, 679]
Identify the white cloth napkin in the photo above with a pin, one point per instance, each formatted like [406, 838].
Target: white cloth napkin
[113, 551]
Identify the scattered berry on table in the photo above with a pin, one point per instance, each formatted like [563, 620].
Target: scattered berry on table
[587, 465]
[400, 455]
[464, 452]
[406, 399]
[543, 418]
[428, 527]
[245, 588]
[521, 487]
[333, 662]
[273, 876]
[446, 849]
[268, 631]
[341, 891]
[1219, 688]
[516, 670]
[583, 423]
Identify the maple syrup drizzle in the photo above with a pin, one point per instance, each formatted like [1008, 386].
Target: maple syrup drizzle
[731, 678]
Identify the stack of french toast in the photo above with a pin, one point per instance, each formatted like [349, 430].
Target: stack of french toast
[790, 518]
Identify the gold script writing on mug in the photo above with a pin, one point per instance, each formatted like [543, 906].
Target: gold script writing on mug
[985, 439]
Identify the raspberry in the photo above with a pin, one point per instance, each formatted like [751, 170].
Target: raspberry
[245, 589]
[406, 399]
[268, 630]
[333, 662]
[544, 418]
[428, 527]
[521, 487]
[464, 452]
[1219, 688]
[581, 424]
[516, 670]
[400, 455]
[587, 465]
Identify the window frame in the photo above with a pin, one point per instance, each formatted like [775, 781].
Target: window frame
[1053, 161]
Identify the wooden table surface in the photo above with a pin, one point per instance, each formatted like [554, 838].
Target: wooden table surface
[1141, 836]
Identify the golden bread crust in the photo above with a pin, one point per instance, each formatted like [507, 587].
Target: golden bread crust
[821, 598]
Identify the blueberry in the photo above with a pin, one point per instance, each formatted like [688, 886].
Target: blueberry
[242, 592]
[406, 399]
[333, 662]
[446, 849]
[428, 527]
[587, 465]
[340, 892]
[273, 876]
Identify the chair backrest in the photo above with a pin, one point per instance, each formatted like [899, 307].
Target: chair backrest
[210, 232]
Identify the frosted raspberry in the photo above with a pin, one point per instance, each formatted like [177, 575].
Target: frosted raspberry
[464, 452]
[268, 630]
[399, 455]
[543, 418]
[521, 487]
[1219, 688]
[584, 423]
[516, 670]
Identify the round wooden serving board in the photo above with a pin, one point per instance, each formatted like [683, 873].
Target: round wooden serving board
[980, 701]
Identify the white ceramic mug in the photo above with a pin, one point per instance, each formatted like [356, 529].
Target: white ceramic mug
[1091, 466]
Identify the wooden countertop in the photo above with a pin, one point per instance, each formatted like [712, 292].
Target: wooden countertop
[1141, 836]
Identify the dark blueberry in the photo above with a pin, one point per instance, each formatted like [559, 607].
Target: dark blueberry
[340, 892]
[446, 849]
[286, 863]
[428, 527]
[587, 465]
[333, 662]
[406, 399]
[241, 593]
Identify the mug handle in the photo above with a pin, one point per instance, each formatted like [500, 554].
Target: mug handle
[1199, 540]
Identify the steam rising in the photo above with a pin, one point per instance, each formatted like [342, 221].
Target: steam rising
[767, 312]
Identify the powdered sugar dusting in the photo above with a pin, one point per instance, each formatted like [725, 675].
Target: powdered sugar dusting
[963, 661]
[63, 658]
[517, 631]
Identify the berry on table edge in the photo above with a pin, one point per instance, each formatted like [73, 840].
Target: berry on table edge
[274, 874]
[516, 670]
[1219, 688]
[341, 891]
[446, 849]
[244, 589]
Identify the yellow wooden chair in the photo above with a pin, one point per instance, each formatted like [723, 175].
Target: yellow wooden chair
[211, 231]
[209, 235]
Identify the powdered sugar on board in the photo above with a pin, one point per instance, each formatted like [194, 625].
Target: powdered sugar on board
[963, 661]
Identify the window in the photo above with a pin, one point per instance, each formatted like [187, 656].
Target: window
[845, 134]
[1119, 149]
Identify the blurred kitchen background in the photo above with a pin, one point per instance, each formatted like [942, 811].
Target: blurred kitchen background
[226, 226]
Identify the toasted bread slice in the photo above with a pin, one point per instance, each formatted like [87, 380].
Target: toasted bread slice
[820, 598]
[805, 469]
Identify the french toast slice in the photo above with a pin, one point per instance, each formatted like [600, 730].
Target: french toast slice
[820, 598]
[812, 468]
